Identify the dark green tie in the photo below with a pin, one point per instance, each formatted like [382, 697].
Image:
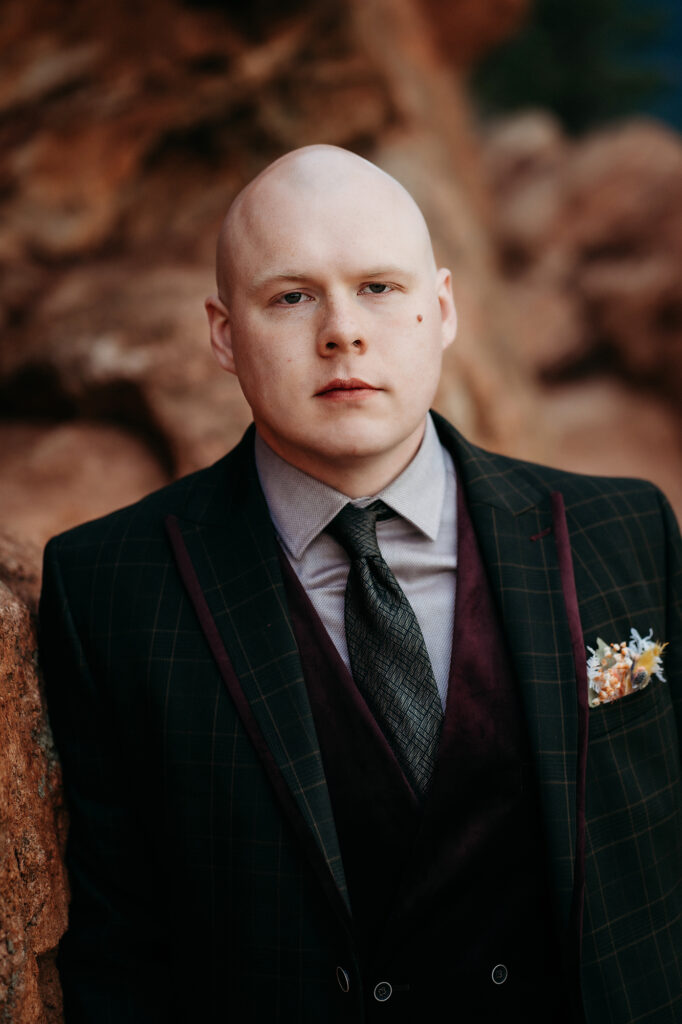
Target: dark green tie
[388, 656]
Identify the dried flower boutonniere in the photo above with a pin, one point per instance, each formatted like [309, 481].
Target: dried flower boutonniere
[614, 670]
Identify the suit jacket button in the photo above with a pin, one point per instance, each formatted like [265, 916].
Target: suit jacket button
[383, 991]
[499, 974]
[343, 979]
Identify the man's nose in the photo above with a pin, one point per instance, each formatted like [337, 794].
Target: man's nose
[340, 331]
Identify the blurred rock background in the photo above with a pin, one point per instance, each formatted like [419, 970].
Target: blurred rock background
[126, 129]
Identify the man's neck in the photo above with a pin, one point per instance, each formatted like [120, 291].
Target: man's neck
[354, 476]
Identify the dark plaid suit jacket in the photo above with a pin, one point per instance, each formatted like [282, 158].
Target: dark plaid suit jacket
[206, 875]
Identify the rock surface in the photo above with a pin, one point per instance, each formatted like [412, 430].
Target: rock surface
[590, 238]
[33, 888]
[466, 29]
[53, 477]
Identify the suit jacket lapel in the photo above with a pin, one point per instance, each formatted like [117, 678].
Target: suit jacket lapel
[522, 532]
[227, 554]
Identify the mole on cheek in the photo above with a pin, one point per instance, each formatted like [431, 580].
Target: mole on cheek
[419, 318]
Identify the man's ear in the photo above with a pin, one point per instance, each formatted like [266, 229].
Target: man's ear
[448, 313]
[221, 332]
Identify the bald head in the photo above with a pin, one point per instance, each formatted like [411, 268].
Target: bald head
[315, 184]
[332, 315]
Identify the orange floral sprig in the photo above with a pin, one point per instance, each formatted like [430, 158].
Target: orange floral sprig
[614, 670]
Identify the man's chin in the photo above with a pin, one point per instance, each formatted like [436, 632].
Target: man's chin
[354, 440]
[346, 448]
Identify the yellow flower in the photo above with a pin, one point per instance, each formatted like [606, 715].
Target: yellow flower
[648, 661]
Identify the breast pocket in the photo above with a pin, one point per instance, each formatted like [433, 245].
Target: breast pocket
[625, 711]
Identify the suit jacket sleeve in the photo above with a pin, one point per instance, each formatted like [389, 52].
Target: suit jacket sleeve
[112, 960]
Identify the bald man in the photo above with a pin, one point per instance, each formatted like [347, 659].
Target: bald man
[363, 723]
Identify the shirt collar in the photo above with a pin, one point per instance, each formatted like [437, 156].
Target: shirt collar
[302, 506]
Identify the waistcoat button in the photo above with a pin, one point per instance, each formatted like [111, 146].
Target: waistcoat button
[383, 991]
[343, 979]
[499, 974]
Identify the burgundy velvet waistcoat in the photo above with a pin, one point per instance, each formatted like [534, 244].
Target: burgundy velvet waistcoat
[442, 894]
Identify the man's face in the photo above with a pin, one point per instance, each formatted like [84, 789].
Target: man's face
[335, 320]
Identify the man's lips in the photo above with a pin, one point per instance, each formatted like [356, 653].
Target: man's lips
[346, 388]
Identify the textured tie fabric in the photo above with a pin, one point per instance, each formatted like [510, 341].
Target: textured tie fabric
[388, 656]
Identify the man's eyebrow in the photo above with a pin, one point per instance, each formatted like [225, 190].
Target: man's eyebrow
[396, 271]
[269, 279]
[293, 276]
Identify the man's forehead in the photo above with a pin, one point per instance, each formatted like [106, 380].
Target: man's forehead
[310, 199]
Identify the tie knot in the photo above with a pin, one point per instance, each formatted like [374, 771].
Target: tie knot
[355, 528]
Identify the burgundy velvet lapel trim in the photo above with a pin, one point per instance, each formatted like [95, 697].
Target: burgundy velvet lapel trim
[215, 643]
[563, 546]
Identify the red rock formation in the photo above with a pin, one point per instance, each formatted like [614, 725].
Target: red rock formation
[57, 474]
[467, 29]
[33, 894]
[590, 233]
[589, 237]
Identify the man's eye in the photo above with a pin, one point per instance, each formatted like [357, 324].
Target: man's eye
[377, 289]
[292, 298]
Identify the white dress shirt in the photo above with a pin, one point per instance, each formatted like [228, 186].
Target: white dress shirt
[419, 543]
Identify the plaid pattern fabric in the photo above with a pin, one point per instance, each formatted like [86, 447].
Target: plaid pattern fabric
[202, 844]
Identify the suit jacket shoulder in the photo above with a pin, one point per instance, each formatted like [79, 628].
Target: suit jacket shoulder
[518, 477]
